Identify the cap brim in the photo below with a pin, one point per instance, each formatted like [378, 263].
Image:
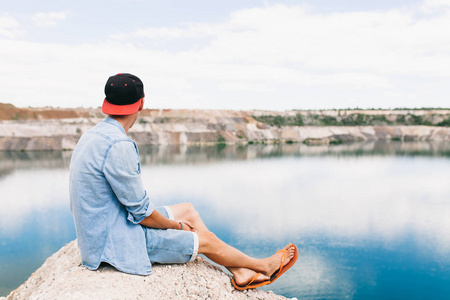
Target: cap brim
[112, 109]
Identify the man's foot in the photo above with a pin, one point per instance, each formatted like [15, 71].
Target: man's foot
[273, 262]
[244, 276]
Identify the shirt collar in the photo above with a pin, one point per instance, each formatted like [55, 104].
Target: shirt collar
[115, 123]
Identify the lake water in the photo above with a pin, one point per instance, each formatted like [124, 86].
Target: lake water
[371, 220]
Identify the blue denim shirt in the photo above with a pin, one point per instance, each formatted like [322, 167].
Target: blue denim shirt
[108, 201]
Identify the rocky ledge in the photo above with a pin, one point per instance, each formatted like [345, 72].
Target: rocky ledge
[60, 130]
[63, 277]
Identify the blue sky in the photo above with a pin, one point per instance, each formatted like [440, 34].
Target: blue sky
[229, 54]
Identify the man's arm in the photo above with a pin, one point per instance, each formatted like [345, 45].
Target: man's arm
[121, 168]
[122, 171]
[159, 221]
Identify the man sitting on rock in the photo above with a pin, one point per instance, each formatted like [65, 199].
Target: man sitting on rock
[116, 222]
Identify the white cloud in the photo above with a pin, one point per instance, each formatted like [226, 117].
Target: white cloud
[437, 3]
[351, 51]
[302, 59]
[9, 27]
[48, 19]
[163, 33]
[381, 42]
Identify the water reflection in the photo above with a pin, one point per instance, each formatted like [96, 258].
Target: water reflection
[19, 160]
[182, 154]
[371, 220]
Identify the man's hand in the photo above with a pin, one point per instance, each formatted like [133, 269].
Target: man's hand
[187, 226]
[157, 220]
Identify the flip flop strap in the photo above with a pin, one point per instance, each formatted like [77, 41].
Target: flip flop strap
[254, 278]
[283, 257]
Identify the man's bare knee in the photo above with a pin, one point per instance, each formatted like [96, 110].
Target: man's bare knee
[191, 213]
[189, 207]
[208, 242]
[183, 210]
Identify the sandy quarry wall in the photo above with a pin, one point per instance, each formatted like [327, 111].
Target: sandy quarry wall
[196, 127]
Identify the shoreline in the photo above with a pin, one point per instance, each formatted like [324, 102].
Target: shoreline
[53, 129]
[55, 136]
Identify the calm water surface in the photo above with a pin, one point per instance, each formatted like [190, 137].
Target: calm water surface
[371, 220]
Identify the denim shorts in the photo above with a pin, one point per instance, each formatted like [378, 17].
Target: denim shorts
[170, 246]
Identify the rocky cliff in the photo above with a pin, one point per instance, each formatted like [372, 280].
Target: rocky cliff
[199, 127]
[63, 277]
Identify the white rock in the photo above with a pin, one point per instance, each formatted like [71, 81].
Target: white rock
[63, 277]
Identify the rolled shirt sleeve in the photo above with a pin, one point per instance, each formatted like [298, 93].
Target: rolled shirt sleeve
[123, 172]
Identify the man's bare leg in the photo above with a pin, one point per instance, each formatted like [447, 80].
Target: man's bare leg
[242, 266]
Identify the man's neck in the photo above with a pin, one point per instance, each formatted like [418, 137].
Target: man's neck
[126, 121]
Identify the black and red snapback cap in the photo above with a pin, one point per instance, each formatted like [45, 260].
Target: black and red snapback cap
[123, 94]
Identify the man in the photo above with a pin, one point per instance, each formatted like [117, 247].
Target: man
[116, 222]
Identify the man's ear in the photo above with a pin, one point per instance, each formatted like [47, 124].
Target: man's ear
[141, 107]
